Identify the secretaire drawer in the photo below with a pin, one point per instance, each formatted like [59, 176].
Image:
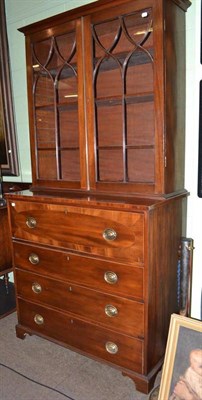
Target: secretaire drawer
[123, 315]
[94, 340]
[112, 234]
[108, 276]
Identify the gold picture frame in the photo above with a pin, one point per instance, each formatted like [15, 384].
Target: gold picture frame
[184, 342]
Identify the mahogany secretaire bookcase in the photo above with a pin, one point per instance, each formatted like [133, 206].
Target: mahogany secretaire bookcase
[96, 239]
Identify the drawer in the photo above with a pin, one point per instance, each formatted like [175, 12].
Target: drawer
[121, 279]
[96, 341]
[111, 234]
[114, 312]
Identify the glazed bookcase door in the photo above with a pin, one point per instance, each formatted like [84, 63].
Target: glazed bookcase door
[124, 147]
[58, 108]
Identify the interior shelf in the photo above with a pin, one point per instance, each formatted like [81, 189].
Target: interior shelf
[111, 61]
[126, 147]
[67, 105]
[129, 99]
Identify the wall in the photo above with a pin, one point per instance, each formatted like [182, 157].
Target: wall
[194, 74]
[23, 12]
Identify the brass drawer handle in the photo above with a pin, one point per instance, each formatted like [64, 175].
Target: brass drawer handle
[31, 222]
[33, 258]
[38, 319]
[109, 234]
[110, 277]
[111, 311]
[36, 288]
[111, 347]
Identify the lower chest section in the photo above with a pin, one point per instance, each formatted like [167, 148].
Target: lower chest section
[80, 278]
[98, 280]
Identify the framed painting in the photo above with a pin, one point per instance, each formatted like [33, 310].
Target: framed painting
[182, 370]
[8, 142]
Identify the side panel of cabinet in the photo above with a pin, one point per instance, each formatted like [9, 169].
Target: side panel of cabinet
[175, 96]
[166, 227]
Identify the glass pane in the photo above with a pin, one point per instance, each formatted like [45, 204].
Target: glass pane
[110, 165]
[42, 51]
[45, 124]
[70, 165]
[138, 28]
[140, 124]
[69, 130]
[47, 165]
[67, 85]
[44, 91]
[66, 45]
[139, 78]
[140, 165]
[110, 125]
[109, 80]
[106, 36]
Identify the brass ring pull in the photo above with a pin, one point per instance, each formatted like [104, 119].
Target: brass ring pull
[111, 347]
[36, 288]
[111, 311]
[33, 258]
[31, 222]
[38, 319]
[109, 234]
[110, 277]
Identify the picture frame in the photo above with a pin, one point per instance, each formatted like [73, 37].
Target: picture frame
[9, 161]
[184, 346]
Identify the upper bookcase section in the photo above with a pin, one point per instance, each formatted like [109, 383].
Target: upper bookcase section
[106, 91]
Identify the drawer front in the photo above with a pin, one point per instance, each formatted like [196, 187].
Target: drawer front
[126, 352]
[108, 276]
[114, 312]
[106, 233]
